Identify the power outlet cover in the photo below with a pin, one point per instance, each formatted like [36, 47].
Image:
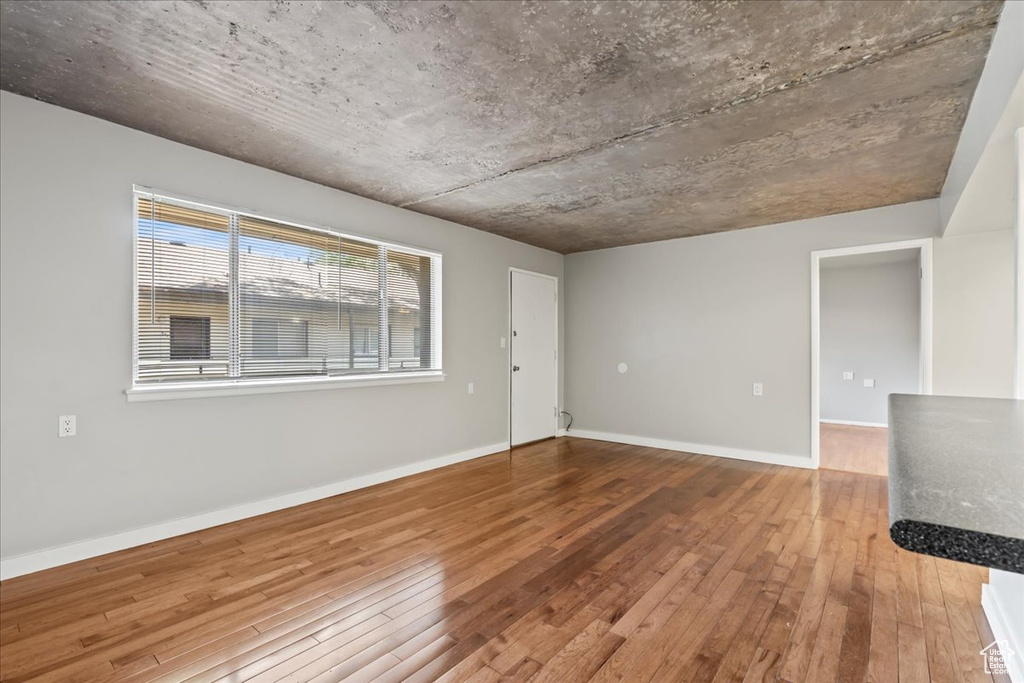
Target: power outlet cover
[67, 425]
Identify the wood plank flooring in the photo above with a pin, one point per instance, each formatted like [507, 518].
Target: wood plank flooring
[577, 561]
[855, 449]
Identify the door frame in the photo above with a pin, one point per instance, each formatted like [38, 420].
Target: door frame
[508, 349]
[924, 245]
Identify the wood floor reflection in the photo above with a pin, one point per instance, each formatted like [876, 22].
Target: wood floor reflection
[855, 449]
[578, 560]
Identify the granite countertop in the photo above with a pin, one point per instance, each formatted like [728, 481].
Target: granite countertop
[956, 478]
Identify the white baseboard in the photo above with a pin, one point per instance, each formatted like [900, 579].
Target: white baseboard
[700, 449]
[854, 423]
[994, 608]
[560, 432]
[73, 552]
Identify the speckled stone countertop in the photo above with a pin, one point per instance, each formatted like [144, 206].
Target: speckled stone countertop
[956, 478]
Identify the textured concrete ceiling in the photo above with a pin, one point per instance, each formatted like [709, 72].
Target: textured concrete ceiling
[568, 125]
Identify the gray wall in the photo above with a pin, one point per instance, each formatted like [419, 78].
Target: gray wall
[698, 320]
[65, 315]
[870, 325]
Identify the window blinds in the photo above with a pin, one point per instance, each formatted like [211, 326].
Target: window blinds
[224, 295]
[182, 274]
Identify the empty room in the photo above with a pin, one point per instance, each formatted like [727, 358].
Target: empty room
[466, 340]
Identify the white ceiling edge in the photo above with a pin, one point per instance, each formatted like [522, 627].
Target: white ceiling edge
[988, 202]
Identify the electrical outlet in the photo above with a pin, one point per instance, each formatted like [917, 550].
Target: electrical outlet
[66, 426]
[470, 388]
[758, 389]
[847, 375]
[869, 383]
[502, 342]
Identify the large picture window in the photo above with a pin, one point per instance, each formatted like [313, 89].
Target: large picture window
[224, 295]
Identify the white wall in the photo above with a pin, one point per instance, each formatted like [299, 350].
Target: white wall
[870, 325]
[1003, 599]
[1018, 266]
[1006, 590]
[698, 320]
[973, 352]
[65, 315]
[988, 199]
[1003, 68]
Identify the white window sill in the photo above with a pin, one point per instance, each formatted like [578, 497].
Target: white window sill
[170, 392]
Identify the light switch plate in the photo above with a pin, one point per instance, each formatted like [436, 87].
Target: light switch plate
[869, 383]
[847, 375]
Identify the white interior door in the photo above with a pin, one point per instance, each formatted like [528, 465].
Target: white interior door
[534, 363]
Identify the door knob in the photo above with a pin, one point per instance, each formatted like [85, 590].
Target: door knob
[515, 368]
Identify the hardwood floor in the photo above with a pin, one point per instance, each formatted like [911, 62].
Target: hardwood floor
[578, 561]
[855, 449]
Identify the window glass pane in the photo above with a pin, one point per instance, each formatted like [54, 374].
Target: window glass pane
[280, 338]
[287, 283]
[223, 295]
[366, 347]
[264, 338]
[300, 292]
[190, 338]
[410, 311]
[359, 277]
[182, 292]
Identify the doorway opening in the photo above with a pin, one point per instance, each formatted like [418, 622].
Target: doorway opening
[871, 336]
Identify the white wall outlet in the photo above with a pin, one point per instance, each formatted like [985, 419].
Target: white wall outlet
[66, 426]
[847, 375]
[470, 388]
[502, 342]
[758, 389]
[869, 383]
